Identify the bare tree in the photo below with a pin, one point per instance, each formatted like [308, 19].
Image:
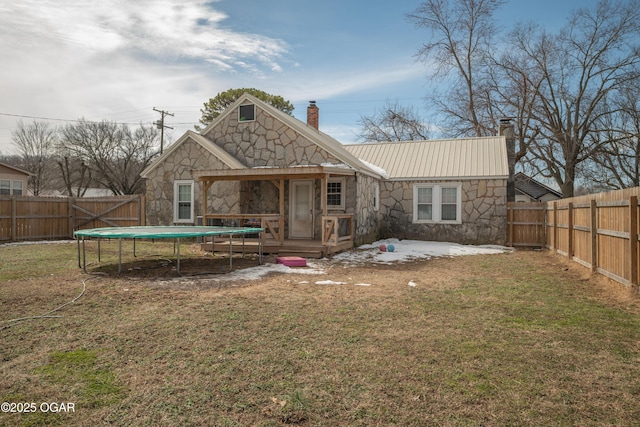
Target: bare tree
[76, 176]
[617, 164]
[35, 143]
[393, 123]
[460, 50]
[575, 73]
[114, 154]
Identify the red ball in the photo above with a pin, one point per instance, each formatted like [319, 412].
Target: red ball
[383, 248]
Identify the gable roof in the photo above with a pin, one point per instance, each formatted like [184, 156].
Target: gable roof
[224, 157]
[321, 139]
[465, 158]
[15, 169]
[532, 188]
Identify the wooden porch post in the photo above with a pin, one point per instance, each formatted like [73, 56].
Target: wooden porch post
[323, 194]
[281, 208]
[205, 188]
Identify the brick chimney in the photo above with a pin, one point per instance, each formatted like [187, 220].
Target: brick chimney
[313, 114]
[506, 129]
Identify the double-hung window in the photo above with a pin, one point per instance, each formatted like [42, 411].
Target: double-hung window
[183, 209]
[17, 188]
[9, 187]
[335, 193]
[5, 187]
[437, 203]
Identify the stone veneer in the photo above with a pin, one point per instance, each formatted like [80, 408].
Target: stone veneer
[484, 213]
[268, 142]
[223, 197]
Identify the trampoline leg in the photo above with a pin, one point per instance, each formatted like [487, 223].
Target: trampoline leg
[242, 245]
[230, 252]
[84, 257]
[260, 248]
[134, 248]
[98, 250]
[78, 241]
[119, 256]
[178, 261]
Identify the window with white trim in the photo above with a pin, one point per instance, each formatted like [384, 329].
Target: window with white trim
[5, 187]
[8, 188]
[17, 188]
[183, 203]
[437, 203]
[335, 193]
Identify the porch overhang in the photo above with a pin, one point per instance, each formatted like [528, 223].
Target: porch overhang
[278, 176]
[270, 173]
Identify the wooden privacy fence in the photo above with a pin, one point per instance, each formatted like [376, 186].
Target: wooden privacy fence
[599, 231]
[525, 224]
[36, 218]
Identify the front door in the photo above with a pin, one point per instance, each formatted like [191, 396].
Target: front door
[301, 209]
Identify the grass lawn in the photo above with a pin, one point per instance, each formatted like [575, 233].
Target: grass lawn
[524, 338]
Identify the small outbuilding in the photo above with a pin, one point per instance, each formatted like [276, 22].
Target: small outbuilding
[531, 190]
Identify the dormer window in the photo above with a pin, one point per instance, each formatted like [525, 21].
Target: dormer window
[247, 113]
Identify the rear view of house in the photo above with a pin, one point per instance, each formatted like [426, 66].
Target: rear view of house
[255, 165]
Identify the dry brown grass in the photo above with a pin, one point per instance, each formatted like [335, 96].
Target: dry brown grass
[515, 339]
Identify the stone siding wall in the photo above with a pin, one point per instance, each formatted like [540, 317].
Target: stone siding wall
[484, 213]
[223, 197]
[267, 142]
[367, 218]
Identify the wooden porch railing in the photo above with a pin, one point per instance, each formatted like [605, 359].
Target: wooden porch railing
[270, 223]
[331, 229]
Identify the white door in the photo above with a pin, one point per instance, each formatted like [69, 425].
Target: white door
[301, 209]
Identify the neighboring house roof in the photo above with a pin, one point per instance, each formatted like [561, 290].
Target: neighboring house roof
[15, 169]
[532, 188]
[465, 158]
[208, 145]
[323, 140]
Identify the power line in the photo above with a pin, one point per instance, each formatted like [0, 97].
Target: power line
[161, 125]
[60, 120]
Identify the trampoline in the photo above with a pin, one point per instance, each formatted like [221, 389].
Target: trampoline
[162, 232]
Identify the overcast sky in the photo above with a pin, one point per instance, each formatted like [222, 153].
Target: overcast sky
[118, 59]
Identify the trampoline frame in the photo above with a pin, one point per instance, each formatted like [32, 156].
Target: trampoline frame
[162, 232]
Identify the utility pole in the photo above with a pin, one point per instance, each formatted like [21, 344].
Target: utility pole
[161, 125]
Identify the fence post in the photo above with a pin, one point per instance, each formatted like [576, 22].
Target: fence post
[555, 227]
[510, 226]
[633, 239]
[570, 230]
[14, 220]
[71, 212]
[594, 235]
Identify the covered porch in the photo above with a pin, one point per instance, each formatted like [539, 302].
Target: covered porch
[294, 224]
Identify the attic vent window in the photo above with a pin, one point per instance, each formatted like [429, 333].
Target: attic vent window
[247, 113]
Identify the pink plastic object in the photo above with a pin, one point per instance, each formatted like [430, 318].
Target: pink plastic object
[291, 261]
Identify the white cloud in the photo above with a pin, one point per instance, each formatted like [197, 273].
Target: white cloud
[159, 29]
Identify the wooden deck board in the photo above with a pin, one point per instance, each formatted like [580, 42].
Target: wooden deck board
[303, 248]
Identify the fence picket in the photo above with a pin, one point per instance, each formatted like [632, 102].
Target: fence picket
[35, 218]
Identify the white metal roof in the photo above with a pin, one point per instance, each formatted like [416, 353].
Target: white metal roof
[463, 158]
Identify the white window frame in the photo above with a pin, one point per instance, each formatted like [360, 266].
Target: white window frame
[437, 203]
[17, 186]
[247, 120]
[5, 185]
[342, 182]
[176, 202]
